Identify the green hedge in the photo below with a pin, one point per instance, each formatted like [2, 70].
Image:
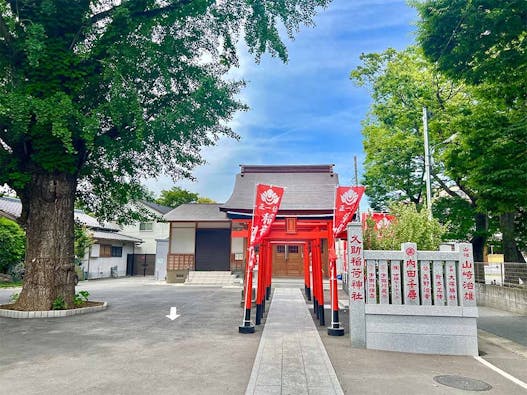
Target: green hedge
[12, 244]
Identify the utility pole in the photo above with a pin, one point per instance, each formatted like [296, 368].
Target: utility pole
[356, 171]
[356, 181]
[427, 165]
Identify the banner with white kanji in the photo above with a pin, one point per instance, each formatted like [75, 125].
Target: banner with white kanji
[266, 206]
[347, 201]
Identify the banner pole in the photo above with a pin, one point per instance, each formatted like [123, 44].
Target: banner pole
[335, 329]
[320, 285]
[314, 268]
[247, 326]
[258, 313]
[269, 276]
[318, 288]
[266, 206]
[263, 286]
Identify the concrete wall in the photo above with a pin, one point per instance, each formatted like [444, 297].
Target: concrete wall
[183, 239]
[447, 330]
[503, 298]
[160, 230]
[98, 267]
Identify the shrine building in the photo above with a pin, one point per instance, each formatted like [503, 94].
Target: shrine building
[214, 237]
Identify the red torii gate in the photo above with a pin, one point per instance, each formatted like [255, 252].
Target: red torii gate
[292, 230]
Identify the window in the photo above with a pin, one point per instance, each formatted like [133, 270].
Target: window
[105, 251]
[117, 252]
[292, 249]
[108, 251]
[147, 226]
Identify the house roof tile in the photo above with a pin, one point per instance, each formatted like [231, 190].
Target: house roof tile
[103, 235]
[12, 207]
[157, 207]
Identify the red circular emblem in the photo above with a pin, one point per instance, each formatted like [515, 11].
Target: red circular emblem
[410, 251]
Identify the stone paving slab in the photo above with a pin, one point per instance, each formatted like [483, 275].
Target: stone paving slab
[291, 358]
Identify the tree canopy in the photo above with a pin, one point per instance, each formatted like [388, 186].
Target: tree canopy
[484, 43]
[477, 40]
[476, 171]
[178, 196]
[113, 92]
[401, 84]
[470, 73]
[95, 95]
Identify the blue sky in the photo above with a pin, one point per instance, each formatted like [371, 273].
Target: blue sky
[306, 111]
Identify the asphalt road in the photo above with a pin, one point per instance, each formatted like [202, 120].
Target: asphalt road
[504, 324]
[131, 348]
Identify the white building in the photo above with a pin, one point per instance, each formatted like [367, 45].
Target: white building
[142, 260]
[106, 257]
[151, 230]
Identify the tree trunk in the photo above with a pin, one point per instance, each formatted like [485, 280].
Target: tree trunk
[479, 241]
[49, 268]
[480, 237]
[511, 253]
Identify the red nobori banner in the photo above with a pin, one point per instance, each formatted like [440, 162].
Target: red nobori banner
[267, 203]
[347, 201]
[382, 220]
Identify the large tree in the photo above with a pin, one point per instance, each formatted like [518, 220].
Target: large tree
[96, 94]
[401, 84]
[477, 40]
[484, 43]
[491, 156]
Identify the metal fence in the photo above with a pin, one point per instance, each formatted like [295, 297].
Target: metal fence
[506, 274]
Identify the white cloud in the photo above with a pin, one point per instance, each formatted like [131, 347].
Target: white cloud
[306, 111]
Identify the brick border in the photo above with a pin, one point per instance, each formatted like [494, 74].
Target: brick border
[51, 313]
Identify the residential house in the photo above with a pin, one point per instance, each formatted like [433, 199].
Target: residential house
[106, 257]
[142, 260]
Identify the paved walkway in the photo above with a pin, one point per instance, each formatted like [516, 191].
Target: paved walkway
[291, 358]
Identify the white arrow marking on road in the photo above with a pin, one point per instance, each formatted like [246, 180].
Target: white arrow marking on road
[173, 313]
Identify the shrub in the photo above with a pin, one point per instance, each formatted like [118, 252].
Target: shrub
[58, 303]
[80, 298]
[12, 244]
[83, 241]
[410, 225]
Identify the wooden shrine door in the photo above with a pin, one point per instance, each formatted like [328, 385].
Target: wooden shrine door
[288, 260]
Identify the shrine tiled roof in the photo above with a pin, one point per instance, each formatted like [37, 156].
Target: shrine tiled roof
[308, 188]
